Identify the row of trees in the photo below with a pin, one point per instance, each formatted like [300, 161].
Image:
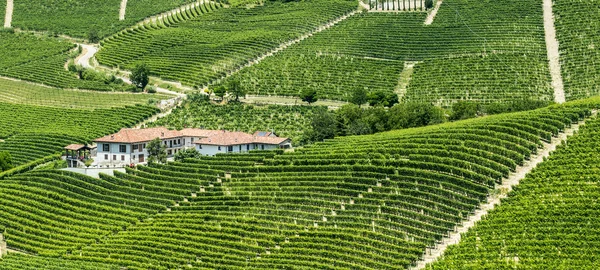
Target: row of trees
[351, 119]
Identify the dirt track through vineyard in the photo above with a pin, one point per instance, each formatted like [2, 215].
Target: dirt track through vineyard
[431, 16]
[9, 12]
[122, 10]
[433, 254]
[553, 54]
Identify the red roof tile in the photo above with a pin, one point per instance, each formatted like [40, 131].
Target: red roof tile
[129, 135]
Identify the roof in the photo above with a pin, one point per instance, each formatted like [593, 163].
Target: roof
[225, 138]
[208, 137]
[263, 133]
[77, 147]
[194, 132]
[129, 135]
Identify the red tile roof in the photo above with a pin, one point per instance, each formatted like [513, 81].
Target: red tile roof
[208, 137]
[129, 135]
[226, 138]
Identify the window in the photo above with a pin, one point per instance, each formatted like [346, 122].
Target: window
[219, 148]
[106, 147]
[114, 157]
[122, 148]
[165, 142]
[178, 141]
[170, 152]
[230, 149]
[262, 147]
[240, 148]
[247, 147]
[122, 157]
[135, 147]
[199, 146]
[106, 157]
[143, 146]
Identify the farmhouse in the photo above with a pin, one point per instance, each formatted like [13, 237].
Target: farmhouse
[130, 145]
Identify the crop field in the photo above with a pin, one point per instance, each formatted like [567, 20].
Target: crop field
[285, 121]
[78, 18]
[577, 25]
[230, 37]
[502, 43]
[40, 59]
[30, 94]
[32, 133]
[548, 222]
[369, 202]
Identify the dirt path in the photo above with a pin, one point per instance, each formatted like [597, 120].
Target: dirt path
[431, 255]
[122, 10]
[431, 16]
[87, 53]
[405, 77]
[289, 43]
[8, 15]
[553, 55]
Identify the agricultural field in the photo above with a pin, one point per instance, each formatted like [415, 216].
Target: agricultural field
[577, 24]
[41, 59]
[285, 121]
[31, 94]
[206, 47]
[503, 41]
[368, 202]
[32, 133]
[79, 18]
[548, 222]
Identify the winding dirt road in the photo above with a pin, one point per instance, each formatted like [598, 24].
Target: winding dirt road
[9, 12]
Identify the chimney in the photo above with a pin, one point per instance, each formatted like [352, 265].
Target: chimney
[162, 134]
[112, 137]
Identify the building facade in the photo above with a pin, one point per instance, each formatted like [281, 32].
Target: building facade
[129, 146]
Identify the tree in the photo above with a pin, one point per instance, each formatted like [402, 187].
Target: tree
[323, 127]
[428, 4]
[410, 115]
[187, 153]
[5, 161]
[309, 96]
[359, 96]
[220, 91]
[382, 98]
[93, 36]
[464, 110]
[157, 151]
[140, 76]
[234, 87]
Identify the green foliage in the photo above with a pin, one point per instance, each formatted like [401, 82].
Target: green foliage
[359, 96]
[428, 4]
[382, 98]
[465, 110]
[140, 76]
[220, 91]
[235, 89]
[216, 40]
[93, 37]
[187, 153]
[157, 151]
[309, 96]
[5, 161]
[285, 121]
[323, 127]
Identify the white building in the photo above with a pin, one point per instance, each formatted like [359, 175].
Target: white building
[128, 146]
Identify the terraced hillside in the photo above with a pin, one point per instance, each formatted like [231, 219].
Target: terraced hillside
[32, 133]
[548, 222]
[478, 50]
[369, 202]
[285, 121]
[42, 60]
[30, 94]
[206, 47]
[577, 25]
[79, 18]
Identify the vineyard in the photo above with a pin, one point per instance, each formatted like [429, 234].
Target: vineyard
[40, 59]
[29, 94]
[285, 121]
[79, 18]
[547, 222]
[494, 49]
[368, 202]
[33, 133]
[577, 25]
[204, 44]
